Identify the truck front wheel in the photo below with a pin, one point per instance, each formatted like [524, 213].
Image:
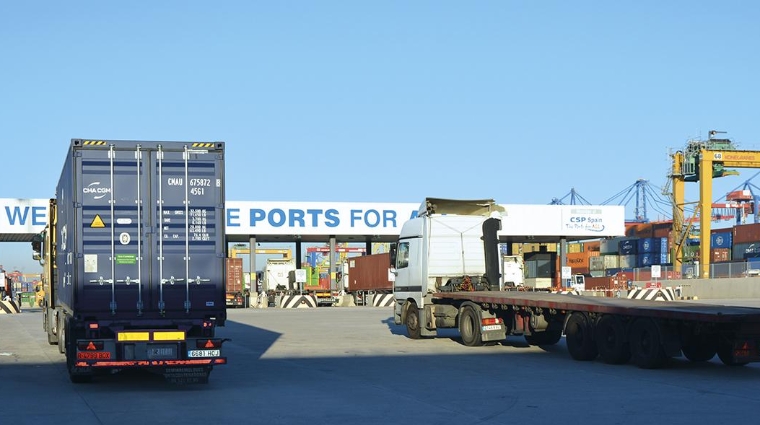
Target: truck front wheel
[413, 322]
[469, 327]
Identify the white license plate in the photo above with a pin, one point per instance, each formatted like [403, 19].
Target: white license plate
[204, 353]
[491, 327]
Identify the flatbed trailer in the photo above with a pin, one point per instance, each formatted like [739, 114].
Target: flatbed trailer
[615, 329]
[446, 267]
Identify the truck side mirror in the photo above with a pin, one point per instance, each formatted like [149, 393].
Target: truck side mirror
[392, 255]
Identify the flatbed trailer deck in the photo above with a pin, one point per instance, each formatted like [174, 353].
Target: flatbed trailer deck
[616, 330]
[679, 310]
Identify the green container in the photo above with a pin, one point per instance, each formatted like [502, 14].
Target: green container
[28, 298]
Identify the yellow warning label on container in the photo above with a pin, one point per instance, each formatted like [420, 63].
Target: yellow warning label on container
[97, 222]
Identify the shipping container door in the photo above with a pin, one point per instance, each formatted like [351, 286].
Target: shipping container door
[114, 264]
[150, 221]
[189, 261]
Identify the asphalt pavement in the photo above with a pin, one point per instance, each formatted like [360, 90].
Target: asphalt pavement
[352, 365]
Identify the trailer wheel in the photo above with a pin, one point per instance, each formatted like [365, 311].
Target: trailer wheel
[543, 338]
[579, 339]
[700, 348]
[611, 340]
[69, 339]
[413, 321]
[726, 355]
[646, 350]
[469, 327]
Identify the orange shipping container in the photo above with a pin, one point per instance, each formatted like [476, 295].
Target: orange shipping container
[579, 260]
[720, 255]
[591, 245]
[369, 273]
[234, 275]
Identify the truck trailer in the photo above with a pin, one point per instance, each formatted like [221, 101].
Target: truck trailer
[447, 272]
[235, 290]
[368, 276]
[134, 259]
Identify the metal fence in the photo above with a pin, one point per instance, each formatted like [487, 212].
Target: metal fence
[692, 271]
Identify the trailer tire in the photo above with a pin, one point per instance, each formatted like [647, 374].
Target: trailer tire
[700, 348]
[579, 338]
[646, 350]
[611, 340]
[70, 346]
[412, 322]
[726, 356]
[469, 327]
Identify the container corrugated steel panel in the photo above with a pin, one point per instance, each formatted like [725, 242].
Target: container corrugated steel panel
[608, 246]
[591, 245]
[580, 259]
[580, 270]
[746, 233]
[628, 247]
[534, 247]
[596, 263]
[721, 240]
[369, 273]
[234, 275]
[628, 261]
[597, 273]
[651, 258]
[720, 255]
[146, 213]
[649, 245]
[574, 247]
[611, 261]
[741, 251]
[540, 268]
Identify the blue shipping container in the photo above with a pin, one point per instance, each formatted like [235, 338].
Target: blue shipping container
[664, 248]
[650, 245]
[721, 240]
[628, 247]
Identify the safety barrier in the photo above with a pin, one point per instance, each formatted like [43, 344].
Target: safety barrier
[382, 300]
[652, 294]
[298, 301]
[9, 307]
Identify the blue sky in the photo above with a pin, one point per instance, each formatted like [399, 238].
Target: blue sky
[388, 101]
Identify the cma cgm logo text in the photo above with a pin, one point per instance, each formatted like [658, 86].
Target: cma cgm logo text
[94, 188]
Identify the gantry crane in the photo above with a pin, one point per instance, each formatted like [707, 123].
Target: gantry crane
[701, 162]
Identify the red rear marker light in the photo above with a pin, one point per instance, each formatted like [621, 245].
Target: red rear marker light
[208, 324]
[208, 343]
[491, 321]
[93, 326]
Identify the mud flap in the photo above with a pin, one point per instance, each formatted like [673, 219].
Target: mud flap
[187, 375]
